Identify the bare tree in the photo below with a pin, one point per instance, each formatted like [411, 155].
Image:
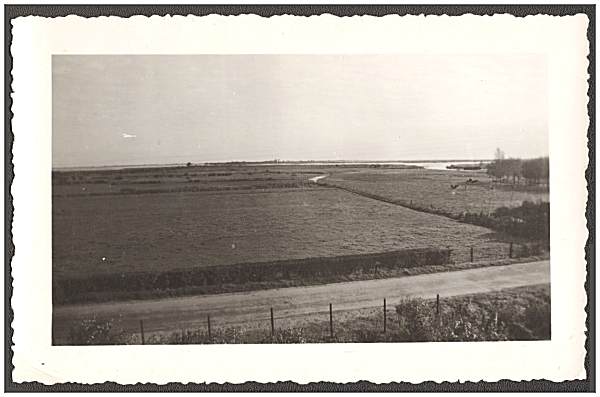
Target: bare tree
[499, 154]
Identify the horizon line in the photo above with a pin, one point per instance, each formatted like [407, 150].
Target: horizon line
[271, 161]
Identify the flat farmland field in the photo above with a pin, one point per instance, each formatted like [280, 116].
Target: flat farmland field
[179, 179]
[431, 189]
[124, 233]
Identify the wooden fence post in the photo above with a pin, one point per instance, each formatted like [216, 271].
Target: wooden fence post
[142, 332]
[384, 316]
[437, 310]
[330, 321]
[471, 254]
[208, 324]
[272, 324]
[510, 250]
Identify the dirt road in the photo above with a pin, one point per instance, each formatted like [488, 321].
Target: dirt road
[252, 307]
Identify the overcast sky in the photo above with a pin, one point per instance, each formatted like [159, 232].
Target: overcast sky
[117, 110]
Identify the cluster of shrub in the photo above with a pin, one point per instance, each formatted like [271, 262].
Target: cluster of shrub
[529, 221]
[98, 332]
[71, 290]
[464, 322]
[532, 170]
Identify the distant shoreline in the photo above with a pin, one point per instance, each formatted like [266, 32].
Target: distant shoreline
[262, 163]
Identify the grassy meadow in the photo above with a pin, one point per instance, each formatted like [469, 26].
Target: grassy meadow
[127, 233]
[157, 221]
[431, 189]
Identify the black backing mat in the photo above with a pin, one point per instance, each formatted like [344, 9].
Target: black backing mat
[13, 11]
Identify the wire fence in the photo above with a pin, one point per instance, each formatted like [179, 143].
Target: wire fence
[497, 251]
[441, 322]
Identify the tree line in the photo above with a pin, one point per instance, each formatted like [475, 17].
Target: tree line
[532, 170]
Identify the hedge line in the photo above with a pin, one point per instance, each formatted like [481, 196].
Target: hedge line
[71, 290]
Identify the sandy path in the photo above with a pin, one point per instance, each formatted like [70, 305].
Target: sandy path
[252, 307]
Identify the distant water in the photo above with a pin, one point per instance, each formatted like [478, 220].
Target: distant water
[444, 164]
[429, 165]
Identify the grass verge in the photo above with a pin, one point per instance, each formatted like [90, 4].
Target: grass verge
[511, 314]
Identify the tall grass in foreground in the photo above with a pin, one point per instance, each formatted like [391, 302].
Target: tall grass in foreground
[511, 314]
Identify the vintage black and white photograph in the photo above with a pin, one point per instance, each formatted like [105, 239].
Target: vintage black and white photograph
[299, 198]
[233, 198]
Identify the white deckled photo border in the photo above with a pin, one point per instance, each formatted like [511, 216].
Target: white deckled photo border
[562, 40]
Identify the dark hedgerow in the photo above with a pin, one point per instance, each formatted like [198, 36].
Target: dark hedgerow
[70, 290]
